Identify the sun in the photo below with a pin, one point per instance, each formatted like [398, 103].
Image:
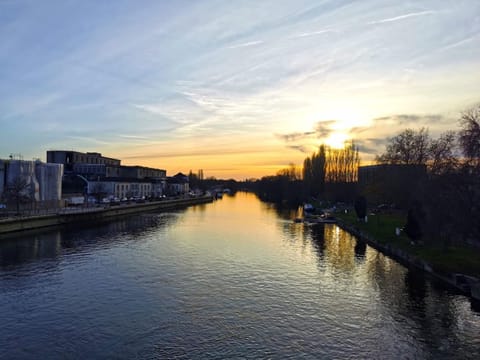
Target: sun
[336, 140]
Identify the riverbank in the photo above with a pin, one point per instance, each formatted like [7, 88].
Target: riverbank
[457, 268]
[67, 216]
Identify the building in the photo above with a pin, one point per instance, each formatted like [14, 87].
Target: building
[391, 184]
[69, 158]
[34, 181]
[93, 174]
[120, 189]
[178, 184]
[91, 164]
[142, 172]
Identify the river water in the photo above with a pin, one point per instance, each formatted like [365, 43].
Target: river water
[232, 279]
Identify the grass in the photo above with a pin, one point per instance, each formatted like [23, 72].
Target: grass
[456, 259]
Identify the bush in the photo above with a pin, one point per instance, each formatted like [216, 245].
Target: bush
[361, 207]
[412, 227]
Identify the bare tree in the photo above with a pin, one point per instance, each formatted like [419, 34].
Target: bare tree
[442, 154]
[292, 173]
[17, 192]
[469, 135]
[99, 191]
[408, 147]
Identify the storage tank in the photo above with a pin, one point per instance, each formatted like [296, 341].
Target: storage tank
[49, 177]
[24, 171]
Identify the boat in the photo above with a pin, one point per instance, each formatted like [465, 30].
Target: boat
[320, 219]
[308, 208]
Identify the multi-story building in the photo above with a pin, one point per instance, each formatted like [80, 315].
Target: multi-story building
[178, 184]
[142, 172]
[92, 173]
[87, 164]
[120, 188]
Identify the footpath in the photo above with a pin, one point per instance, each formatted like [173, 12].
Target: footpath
[65, 216]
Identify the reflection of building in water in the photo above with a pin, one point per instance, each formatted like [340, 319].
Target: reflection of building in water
[23, 249]
[51, 243]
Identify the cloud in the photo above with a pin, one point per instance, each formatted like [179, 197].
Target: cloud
[295, 136]
[371, 146]
[402, 17]
[412, 119]
[312, 33]
[324, 128]
[250, 43]
[133, 137]
[302, 148]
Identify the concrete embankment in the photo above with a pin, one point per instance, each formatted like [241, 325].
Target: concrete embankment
[76, 215]
[467, 285]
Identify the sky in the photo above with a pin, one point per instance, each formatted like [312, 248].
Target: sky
[240, 89]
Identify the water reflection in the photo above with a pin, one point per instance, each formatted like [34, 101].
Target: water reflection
[233, 279]
[51, 244]
[427, 309]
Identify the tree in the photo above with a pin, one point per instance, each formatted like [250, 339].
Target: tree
[408, 147]
[18, 191]
[412, 227]
[442, 155]
[314, 173]
[98, 191]
[469, 135]
[292, 173]
[341, 173]
[361, 207]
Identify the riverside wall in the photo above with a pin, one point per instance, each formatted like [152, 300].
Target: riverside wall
[77, 215]
[467, 285]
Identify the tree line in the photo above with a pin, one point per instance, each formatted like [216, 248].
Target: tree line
[445, 207]
[327, 174]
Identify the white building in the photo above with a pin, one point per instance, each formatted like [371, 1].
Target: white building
[120, 189]
[38, 181]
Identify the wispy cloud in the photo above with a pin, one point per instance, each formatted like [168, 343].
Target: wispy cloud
[408, 120]
[302, 148]
[403, 17]
[295, 136]
[171, 74]
[246, 44]
[312, 33]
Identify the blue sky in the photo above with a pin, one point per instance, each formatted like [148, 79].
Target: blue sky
[236, 88]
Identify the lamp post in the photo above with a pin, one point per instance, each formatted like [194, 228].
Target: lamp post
[85, 190]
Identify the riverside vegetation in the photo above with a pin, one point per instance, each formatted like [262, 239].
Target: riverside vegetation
[439, 215]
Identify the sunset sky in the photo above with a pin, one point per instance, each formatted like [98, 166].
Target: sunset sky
[239, 89]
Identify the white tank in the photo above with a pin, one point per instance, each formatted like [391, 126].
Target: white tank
[24, 171]
[49, 177]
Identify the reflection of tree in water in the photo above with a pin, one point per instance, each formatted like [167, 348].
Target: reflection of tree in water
[437, 317]
[47, 244]
[360, 249]
[284, 212]
[317, 233]
[416, 290]
[431, 315]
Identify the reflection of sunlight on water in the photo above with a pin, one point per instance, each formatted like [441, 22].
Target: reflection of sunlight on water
[232, 279]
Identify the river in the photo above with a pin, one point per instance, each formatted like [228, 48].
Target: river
[233, 279]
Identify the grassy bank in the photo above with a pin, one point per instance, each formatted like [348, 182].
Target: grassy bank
[455, 259]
